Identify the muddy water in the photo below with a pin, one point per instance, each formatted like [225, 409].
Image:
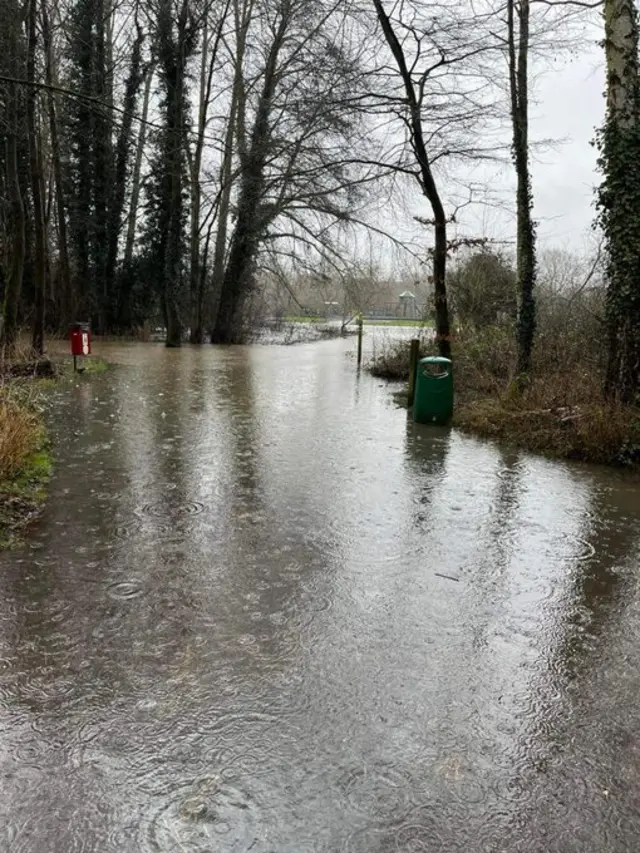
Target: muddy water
[262, 612]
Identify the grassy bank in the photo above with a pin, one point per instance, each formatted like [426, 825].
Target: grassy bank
[561, 413]
[25, 462]
[412, 324]
[312, 318]
[417, 324]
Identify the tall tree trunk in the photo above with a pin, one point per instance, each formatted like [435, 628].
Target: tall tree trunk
[35, 169]
[16, 233]
[619, 199]
[207, 68]
[102, 164]
[66, 307]
[81, 211]
[123, 145]
[137, 172]
[235, 136]
[13, 284]
[202, 284]
[427, 183]
[194, 267]
[238, 275]
[175, 70]
[220, 247]
[525, 227]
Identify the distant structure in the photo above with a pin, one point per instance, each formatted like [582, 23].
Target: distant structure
[408, 305]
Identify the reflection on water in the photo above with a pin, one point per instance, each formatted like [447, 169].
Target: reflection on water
[264, 612]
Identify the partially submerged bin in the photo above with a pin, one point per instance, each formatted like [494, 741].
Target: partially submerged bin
[433, 400]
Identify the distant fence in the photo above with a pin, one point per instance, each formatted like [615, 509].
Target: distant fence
[390, 311]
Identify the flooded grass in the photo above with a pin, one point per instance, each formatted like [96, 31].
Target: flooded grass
[296, 332]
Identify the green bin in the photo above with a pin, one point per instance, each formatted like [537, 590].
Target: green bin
[433, 398]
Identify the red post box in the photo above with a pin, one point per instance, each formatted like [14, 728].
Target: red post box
[80, 337]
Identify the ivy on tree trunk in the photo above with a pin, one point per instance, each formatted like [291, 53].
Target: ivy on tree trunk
[619, 200]
[518, 44]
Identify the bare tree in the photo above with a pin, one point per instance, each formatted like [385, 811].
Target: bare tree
[208, 60]
[234, 137]
[294, 179]
[175, 38]
[440, 99]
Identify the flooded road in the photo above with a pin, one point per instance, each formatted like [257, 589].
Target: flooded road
[263, 612]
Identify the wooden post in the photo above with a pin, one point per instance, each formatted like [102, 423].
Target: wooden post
[359, 341]
[414, 355]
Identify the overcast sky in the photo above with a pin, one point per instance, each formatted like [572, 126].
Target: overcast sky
[569, 106]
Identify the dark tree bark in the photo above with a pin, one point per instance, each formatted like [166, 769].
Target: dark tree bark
[220, 247]
[518, 41]
[13, 283]
[235, 133]
[66, 306]
[17, 219]
[102, 164]
[427, 183]
[249, 227]
[137, 171]
[197, 273]
[174, 51]
[122, 156]
[35, 170]
[619, 200]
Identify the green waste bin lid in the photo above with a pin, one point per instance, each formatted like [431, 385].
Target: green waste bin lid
[435, 359]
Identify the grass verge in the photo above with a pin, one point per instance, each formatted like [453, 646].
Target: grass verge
[561, 413]
[91, 365]
[417, 324]
[302, 319]
[25, 462]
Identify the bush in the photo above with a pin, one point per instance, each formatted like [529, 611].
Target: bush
[391, 359]
[483, 290]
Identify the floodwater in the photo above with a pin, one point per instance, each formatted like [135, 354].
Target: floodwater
[263, 612]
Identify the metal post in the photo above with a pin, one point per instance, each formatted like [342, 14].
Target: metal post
[75, 365]
[359, 341]
[414, 355]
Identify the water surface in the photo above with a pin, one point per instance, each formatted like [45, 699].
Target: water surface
[263, 612]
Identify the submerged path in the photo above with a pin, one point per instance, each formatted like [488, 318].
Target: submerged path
[262, 612]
